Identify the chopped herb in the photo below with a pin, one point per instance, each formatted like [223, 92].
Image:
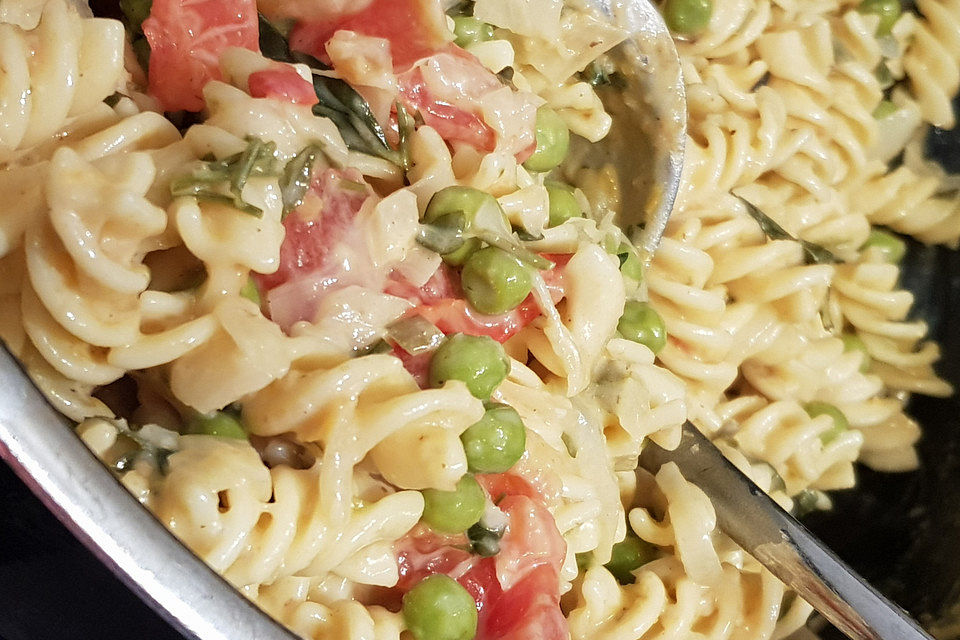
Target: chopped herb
[884, 109]
[415, 334]
[352, 115]
[602, 72]
[141, 48]
[406, 124]
[813, 253]
[146, 450]
[483, 541]
[883, 75]
[296, 177]
[113, 99]
[508, 244]
[526, 236]
[135, 12]
[224, 180]
[380, 346]
[272, 43]
[250, 291]
[810, 500]
[444, 235]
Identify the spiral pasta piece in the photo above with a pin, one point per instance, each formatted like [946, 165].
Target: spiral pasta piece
[60, 69]
[932, 61]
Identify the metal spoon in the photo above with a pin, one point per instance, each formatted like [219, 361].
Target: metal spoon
[649, 111]
[783, 545]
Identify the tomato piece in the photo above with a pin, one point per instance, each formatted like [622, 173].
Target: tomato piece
[448, 99]
[282, 83]
[528, 611]
[323, 249]
[516, 591]
[415, 29]
[417, 365]
[450, 121]
[316, 226]
[500, 486]
[186, 39]
[441, 301]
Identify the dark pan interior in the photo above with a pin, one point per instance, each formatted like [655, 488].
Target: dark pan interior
[902, 531]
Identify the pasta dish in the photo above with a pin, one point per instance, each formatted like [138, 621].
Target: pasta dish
[331, 289]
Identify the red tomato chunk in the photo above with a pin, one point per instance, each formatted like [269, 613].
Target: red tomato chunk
[516, 591]
[323, 249]
[282, 83]
[186, 39]
[415, 29]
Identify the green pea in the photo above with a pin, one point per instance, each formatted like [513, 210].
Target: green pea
[251, 292]
[641, 323]
[687, 17]
[630, 264]
[454, 511]
[218, 423]
[884, 110]
[496, 441]
[892, 247]
[553, 141]
[840, 423]
[888, 10]
[628, 555]
[438, 608]
[478, 361]
[853, 342]
[470, 30]
[136, 11]
[494, 281]
[465, 203]
[563, 204]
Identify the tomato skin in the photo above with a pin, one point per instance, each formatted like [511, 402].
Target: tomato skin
[186, 39]
[415, 29]
[282, 83]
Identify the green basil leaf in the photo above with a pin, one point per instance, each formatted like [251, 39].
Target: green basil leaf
[296, 177]
[813, 253]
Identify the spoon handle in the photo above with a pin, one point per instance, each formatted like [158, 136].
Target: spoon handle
[783, 545]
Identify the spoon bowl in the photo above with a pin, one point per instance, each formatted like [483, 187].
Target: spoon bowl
[648, 106]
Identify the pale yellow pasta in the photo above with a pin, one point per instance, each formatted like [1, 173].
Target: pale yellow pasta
[80, 63]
